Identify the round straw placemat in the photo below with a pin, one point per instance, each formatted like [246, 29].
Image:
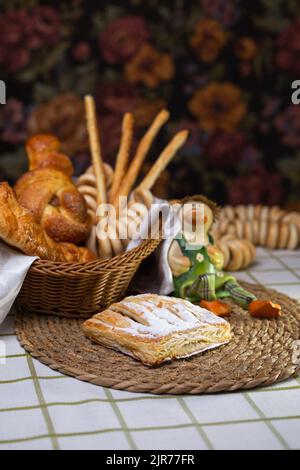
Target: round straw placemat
[261, 352]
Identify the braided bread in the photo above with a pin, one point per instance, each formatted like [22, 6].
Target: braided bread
[48, 193]
[238, 254]
[55, 204]
[86, 185]
[43, 152]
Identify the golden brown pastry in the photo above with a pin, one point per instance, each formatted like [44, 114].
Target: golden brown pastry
[39, 144]
[43, 152]
[48, 193]
[55, 204]
[19, 229]
[56, 161]
[154, 328]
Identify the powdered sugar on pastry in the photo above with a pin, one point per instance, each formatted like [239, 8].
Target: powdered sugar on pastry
[156, 328]
[144, 316]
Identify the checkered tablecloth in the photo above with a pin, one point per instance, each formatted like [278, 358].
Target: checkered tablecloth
[42, 409]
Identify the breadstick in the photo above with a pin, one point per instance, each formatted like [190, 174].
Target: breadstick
[141, 153]
[164, 159]
[123, 154]
[95, 148]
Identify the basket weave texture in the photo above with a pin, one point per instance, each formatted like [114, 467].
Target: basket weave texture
[261, 352]
[81, 289]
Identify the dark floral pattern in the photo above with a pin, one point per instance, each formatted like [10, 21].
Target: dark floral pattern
[122, 38]
[288, 52]
[24, 32]
[223, 68]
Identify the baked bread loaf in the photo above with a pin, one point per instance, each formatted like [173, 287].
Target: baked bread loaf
[43, 152]
[19, 229]
[48, 193]
[55, 204]
[154, 329]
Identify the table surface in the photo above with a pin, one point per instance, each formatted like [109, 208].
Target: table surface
[43, 409]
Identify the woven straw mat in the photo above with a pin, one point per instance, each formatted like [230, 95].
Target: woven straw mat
[261, 352]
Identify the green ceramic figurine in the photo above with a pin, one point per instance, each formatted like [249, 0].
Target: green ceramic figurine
[197, 268]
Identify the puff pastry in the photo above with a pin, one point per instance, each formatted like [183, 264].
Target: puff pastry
[154, 329]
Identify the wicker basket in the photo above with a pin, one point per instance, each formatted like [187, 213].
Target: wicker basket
[81, 289]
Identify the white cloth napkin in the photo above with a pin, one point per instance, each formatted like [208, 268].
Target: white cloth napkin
[13, 269]
[158, 279]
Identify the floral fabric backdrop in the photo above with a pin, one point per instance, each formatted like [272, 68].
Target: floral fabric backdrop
[223, 68]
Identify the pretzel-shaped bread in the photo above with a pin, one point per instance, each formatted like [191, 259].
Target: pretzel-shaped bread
[49, 194]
